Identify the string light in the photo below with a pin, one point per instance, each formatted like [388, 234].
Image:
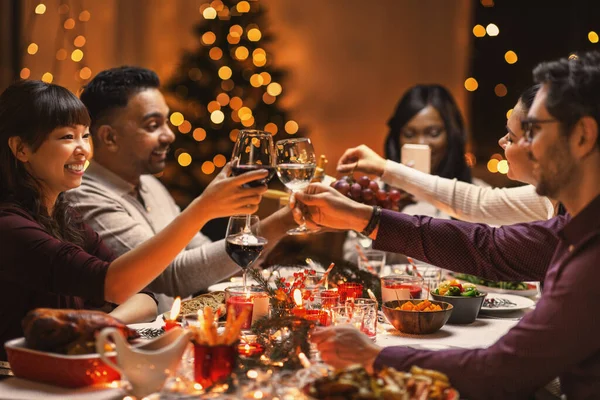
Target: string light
[209, 13]
[248, 122]
[241, 53]
[225, 72]
[223, 99]
[85, 73]
[268, 99]
[256, 80]
[254, 35]
[233, 135]
[235, 103]
[25, 73]
[177, 118]
[503, 167]
[271, 128]
[511, 57]
[79, 41]
[274, 89]
[492, 30]
[47, 77]
[217, 116]
[492, 165]
[77, 55]
[185, 127]
[593, 37]
[199, 134]
[40, 9]
[244, 113]
[208, 38]
[32, 48]
[266, 78]
[69, 23]
[215, 53]
[236, 31]
[208, 167]
[219, 160]
[184, 159]
[291, 127]
[471, 84]
[243, 7]
[84, 16]
[213, 106]
[479, 31]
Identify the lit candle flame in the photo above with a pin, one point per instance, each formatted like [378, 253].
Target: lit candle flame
[175, 309]
[298, 297]
[304, 360]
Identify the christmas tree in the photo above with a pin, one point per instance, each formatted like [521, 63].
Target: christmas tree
[228, 83]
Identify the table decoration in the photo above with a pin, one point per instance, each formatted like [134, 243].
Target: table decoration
[171, 322]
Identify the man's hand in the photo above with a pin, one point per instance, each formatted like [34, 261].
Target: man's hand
[226, 196]
[361, 159]
[323, 206]
[344, 345]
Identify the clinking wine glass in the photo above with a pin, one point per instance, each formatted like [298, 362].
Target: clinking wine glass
[243, 243]
[296, 165]
[253, 150]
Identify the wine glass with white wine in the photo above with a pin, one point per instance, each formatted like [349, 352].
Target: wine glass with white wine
[296, 165]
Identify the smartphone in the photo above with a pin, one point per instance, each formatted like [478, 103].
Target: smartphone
[417, 156]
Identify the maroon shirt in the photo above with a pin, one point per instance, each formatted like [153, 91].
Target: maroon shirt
[559, 338]
[38, 270]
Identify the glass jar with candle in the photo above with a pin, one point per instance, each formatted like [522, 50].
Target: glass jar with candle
[349, 290]
[324, 299]
[253, 298]
[401, 287]
[369, 318]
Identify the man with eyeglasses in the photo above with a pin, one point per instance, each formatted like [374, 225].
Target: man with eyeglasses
[559, 337]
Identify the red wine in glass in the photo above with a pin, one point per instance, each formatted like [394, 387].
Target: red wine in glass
[243, 168]
[243, 243]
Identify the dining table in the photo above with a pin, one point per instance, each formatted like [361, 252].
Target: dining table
[486, 330]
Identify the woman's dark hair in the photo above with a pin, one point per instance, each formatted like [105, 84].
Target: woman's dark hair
[527, 97]
[31, 110]
[453, 165]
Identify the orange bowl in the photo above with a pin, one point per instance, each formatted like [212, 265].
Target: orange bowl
[416, 322]
[59, 369]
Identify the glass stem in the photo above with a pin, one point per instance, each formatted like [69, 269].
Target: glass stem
[244, 279]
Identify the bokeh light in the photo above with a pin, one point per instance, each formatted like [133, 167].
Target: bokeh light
[492, 166]
[217, 117]
[208, 167]
[176, 118]
[500, 90]
[503, 167]
[291, 127]
[243, 6]
[209, 13]
[471, 84]
[79, 41]
[254, 35]
[32, 48]
[185, 127]
[241, 53]
[85, 16]
[47, 77]
[271, 128]
[479, 31]
[511, 57]
[593, 37]
[508, 113]
[184, 159]
[25, 73]
[492, 30]
[69, 23]
[219, 160]
[77, 55]
[274, 89]
[61, 54]
[85, 73]
[199, 134]
[208, 38]
[40, 9]
[215, 53]
[225, 72]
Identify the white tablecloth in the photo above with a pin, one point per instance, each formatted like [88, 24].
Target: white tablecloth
[482, 333]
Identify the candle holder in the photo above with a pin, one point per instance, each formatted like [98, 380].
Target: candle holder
[324, 299]
[349, 290]
[214, 364]
[319, 317]
[253, 298]
[401, 287]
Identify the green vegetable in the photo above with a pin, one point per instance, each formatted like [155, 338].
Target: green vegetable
[453, 291]
[469, 293]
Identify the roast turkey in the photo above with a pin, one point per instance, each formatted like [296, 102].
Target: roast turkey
[68, 331]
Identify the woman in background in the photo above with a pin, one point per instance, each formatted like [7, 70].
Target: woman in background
[461, 200]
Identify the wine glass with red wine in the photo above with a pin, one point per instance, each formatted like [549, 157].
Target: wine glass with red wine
[253, 150]
[243, 242]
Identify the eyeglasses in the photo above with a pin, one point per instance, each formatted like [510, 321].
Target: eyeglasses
[527, 126]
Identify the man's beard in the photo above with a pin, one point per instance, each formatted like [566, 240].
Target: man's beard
[556, 172]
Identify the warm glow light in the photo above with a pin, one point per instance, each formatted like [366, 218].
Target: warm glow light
[184, 159]
[254, 35]
[235, 103]
[85, 73]
[213, 106]
[233, 39]
[503, 167]
[258, 394]
[259, 55]
[177, 118]
[40, 9]
[252, 374]
[511, 57]
[233, 135]
[479, 31]
[79, 41]
[274, 89]
[248, 122]
[69, 23]
[32, 48]
[268, 99]
[497, 156]
[492, 30]
[225, 73]
[245, 113]
[217, 117]
[271, 128]
[85, 16]
[291, 127]
[508, 113]
[47, 77]
[77, 55]
[209, 13]
[177, 303]
[266, 78]
[219, 160]
[500, 90]
[215, 53]
[471, 84]
[256, 80]
[25, 73]
[593, 37]
[236, 31]
[208, 167]
[241, 53]
[208, 38]
[492, 166]
[227, 85]
[199, 134]
[61, 54]
[185, 127]
[297, 297]
[223, 99]
[487, 3]
[243, 6]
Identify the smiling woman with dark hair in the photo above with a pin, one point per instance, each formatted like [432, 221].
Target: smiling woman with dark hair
[49, 257]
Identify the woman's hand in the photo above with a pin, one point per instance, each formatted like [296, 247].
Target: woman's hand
[323, 206]
[361, 159]
[226, 196]
[344, 345]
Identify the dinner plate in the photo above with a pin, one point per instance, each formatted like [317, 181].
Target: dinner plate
[505, 302]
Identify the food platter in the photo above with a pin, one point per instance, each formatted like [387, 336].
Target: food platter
[499, 302]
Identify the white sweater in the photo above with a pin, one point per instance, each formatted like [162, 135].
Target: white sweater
[469, 202]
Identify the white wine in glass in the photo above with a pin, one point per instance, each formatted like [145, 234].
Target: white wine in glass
[296, 166]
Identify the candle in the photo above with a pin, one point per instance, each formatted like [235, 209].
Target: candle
[349, 290]
[171, 322]
[321, 317]
[261, 307]
[238, 303]
[250, 349]
[400, 291]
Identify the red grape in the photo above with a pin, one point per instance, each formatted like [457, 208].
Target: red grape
[356, 190]
[395, 195]
[363, 181]
[367, 194]
[381, 195]
[343, 187]
[373, 186]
